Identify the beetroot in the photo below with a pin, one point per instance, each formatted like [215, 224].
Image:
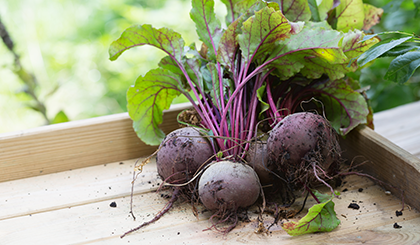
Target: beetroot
[225, 187]
[182, 153]
[302, 147]
[257, 158]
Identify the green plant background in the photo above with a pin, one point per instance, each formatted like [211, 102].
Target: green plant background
[64, 44]
[398, 15]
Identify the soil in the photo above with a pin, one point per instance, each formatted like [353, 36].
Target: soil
[189, 116]
[354, 206]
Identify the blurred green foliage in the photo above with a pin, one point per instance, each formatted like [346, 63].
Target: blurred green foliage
[399, 15]
[64, 44]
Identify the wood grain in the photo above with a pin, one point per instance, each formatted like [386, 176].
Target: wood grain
[82, 215]
[387, 162]
[401, 125]
[73, 145]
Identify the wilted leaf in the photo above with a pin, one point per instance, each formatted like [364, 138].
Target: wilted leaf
[147, 99]
[403, 67]
[372, 16]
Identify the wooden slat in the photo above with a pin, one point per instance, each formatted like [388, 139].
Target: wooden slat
[401, 125]
[72, 145]
[387, 162]
[93, 221]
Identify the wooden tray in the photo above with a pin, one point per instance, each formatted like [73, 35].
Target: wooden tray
[58, 181]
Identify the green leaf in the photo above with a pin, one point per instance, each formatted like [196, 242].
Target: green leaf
[350, 15]
[314, 46]
[228, 45]
[60, 117]
[296, 10]
[165, 39]
[226, 54]
[417, 9]
[320, 218]
[264, 105]
[207, 25]
[232, 15]
[261, 32]
[403, 67]
[318, 60]
[400, 50]
[147, 99]
[320, 9]
[372, 16]
[190, 65]
[213, 82]
[379, 49]
[344, 107]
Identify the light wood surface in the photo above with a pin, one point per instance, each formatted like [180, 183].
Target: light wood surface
[73, 145]
[386, 161]
[57, 183]
[401, 125]
[73, 207]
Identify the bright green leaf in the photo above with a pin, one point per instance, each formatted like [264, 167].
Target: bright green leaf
[351, 48]
[207, 25]
[379, 49]
[232, 15]
[313, 47]
[320, 9]
[350, 15]
[60, 117]
[403, 67]
[320, 218]
[264, 105]
[261, 32]
[165, 39]
[147, 99]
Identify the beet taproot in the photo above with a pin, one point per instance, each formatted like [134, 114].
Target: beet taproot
[225, 188]
[257, 158]
[181, 154]
[303, 147]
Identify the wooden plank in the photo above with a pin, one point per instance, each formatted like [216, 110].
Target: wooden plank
[401, 125]
[387, 162]
[73, 145]
[73, 188]
[95, 222]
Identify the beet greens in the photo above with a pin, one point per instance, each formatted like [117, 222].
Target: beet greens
[268, 55]
[272, 57]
